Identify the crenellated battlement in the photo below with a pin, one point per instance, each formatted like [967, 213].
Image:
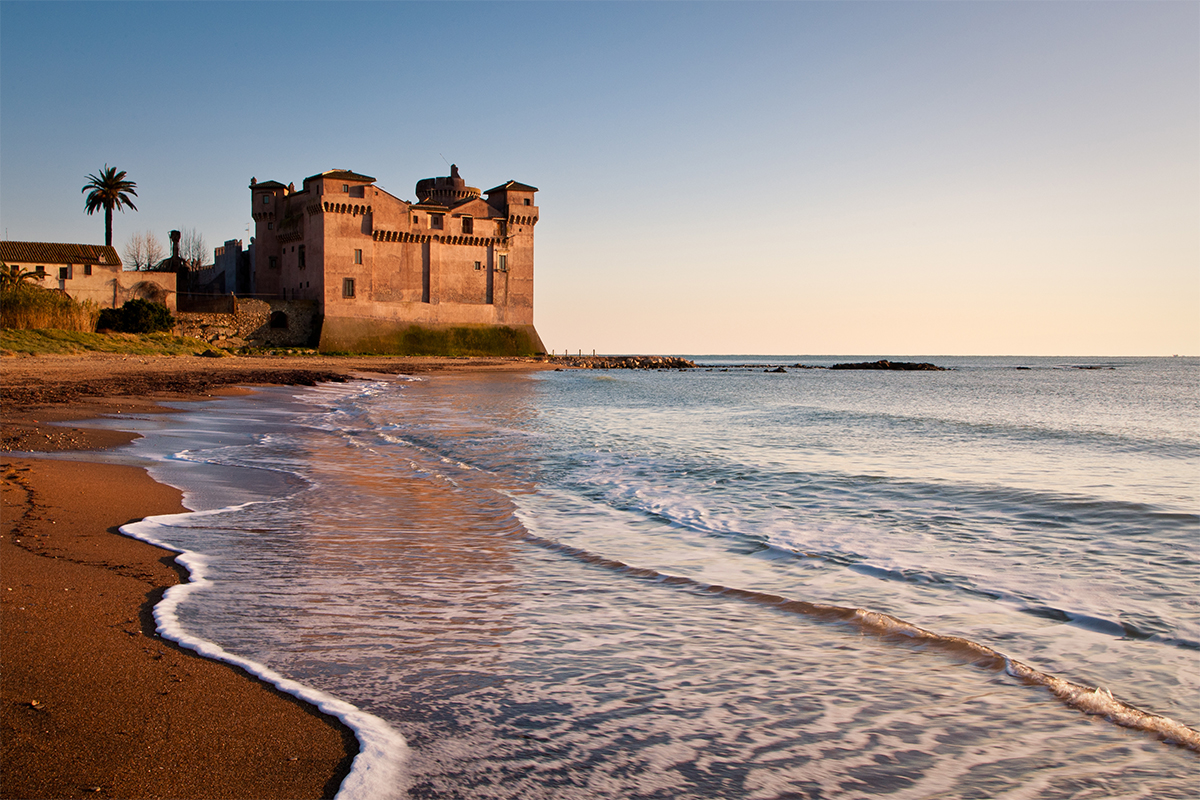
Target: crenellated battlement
[373, 262]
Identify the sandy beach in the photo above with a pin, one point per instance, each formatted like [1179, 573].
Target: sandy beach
[93, 703]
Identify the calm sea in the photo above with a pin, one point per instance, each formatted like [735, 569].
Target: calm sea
[721, 582]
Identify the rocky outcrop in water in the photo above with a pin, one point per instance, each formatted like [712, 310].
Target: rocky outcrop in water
[893, 365]
[624, 362]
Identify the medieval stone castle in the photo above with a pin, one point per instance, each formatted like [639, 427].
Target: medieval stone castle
[339, 264]
[379, 269]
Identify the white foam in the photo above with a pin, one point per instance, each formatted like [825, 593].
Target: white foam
[378, 771]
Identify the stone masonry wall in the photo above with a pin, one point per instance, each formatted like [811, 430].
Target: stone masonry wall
[257, 323]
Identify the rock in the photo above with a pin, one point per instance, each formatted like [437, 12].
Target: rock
[626, 362]
[776, 370]
[891, 365]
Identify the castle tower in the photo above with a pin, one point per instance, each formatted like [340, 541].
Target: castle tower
[383, 271]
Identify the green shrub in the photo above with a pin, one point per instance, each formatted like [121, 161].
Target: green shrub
[24, 306]
[136, 316]
[110, 319]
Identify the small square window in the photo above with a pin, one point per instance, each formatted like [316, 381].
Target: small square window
[87, 269]
[347, 287]
[468, 225]
[416, 219]
[266, 199]
[273, 262]
[40, 270]
[478, 266]
[358, 256]
[435, 221]
[346, 188]
[64, 273]
[503, 265]
[270, 226]
[301, 256]
[527, 202]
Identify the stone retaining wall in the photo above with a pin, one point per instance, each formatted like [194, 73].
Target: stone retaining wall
[255, 323]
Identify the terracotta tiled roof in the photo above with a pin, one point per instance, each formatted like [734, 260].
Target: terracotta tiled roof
[58, 253]
[342, 175]
[267, 185]
[512, 186]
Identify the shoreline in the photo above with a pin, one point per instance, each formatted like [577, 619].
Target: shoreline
[92, 700]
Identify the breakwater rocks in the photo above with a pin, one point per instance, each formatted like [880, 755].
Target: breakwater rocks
[624, 362]
[896, 365]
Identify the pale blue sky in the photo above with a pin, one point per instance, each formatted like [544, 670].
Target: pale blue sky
[860, 178]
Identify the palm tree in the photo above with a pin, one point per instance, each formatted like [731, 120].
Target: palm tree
[12, 276]
[109, 190]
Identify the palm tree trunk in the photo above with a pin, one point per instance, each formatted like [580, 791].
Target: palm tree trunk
[108, 226]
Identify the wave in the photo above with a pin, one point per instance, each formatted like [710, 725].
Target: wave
[1096, 701]
[938, 535]
[933, 426]
[377, 770]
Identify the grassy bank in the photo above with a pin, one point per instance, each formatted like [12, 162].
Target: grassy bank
[61, 342]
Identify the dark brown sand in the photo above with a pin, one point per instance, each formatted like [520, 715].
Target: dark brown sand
[92, 702]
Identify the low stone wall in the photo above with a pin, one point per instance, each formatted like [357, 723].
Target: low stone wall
[255, 323]
[206, 303]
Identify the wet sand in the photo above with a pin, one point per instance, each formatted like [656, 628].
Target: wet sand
[92, 702]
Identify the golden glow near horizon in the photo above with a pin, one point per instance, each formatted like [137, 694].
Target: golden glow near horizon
[859, 178]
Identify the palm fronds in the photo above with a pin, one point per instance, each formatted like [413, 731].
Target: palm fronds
[109, 190]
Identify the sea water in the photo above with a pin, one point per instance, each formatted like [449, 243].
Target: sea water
[719, 582]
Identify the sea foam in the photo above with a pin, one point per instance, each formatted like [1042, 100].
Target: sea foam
[378, 770]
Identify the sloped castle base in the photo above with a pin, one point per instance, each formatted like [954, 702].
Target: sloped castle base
[386, 337]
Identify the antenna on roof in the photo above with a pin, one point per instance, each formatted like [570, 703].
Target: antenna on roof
[444, 159]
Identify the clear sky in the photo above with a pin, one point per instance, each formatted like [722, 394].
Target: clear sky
[869, 178]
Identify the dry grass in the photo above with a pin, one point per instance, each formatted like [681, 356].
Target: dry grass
[28, 307]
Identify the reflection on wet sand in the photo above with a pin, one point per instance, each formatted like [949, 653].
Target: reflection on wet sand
[383, 503]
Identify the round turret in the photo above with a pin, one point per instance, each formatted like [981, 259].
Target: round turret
[446, 191]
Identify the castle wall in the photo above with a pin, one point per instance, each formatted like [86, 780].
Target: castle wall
[371, 258]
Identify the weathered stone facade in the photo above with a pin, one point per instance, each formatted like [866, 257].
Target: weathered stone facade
[257, 323]
[380, 268]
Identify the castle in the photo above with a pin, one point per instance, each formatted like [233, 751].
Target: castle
[387, 275]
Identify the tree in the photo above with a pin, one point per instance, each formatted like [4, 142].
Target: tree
[193, 250]
[135, 252]
[143, 251]
[109, 190]
[12, 276]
